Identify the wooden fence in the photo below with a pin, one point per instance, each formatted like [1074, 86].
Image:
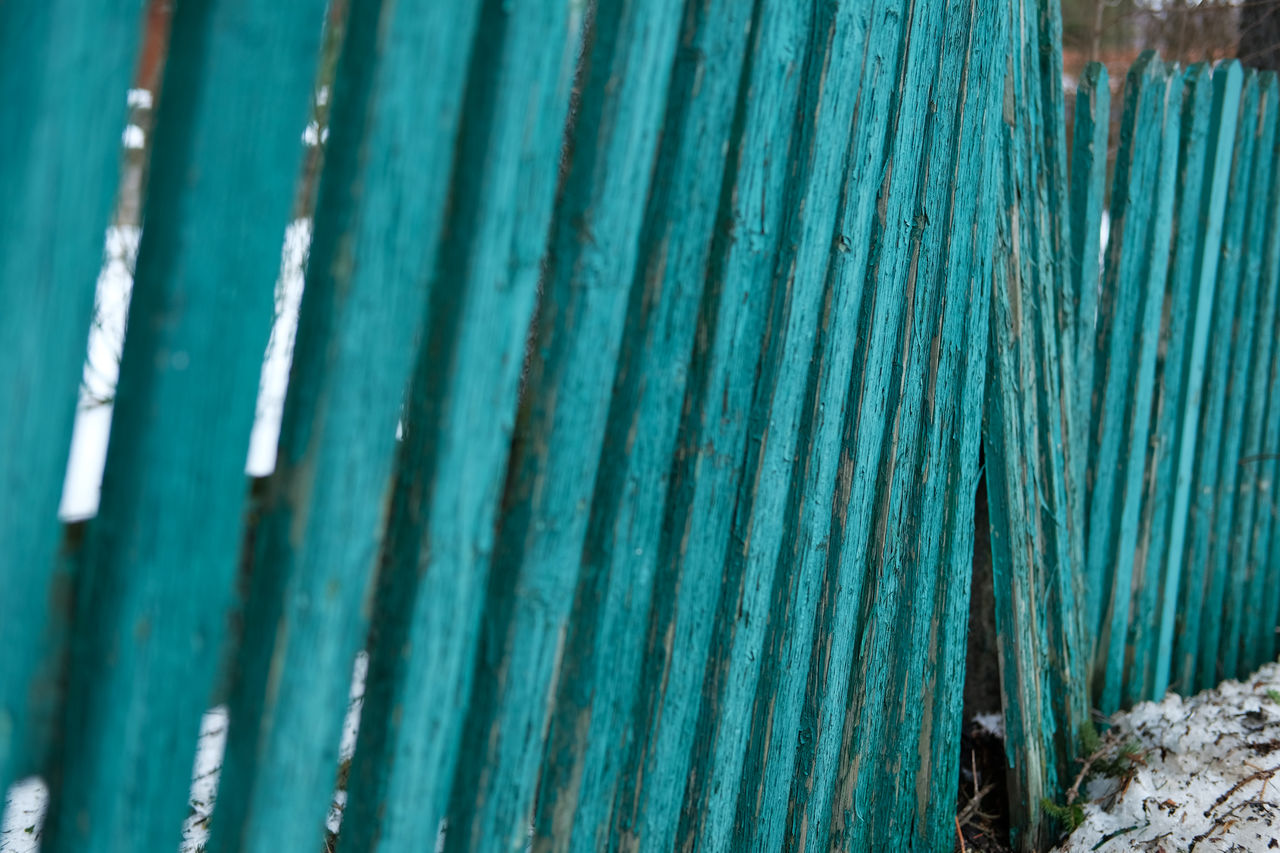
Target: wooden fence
[1134, 403]
[644, 360]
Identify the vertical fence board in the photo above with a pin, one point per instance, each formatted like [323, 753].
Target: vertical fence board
[163, 550]
[1120, 323]
[1226, 592]
[1139, 348]
[1254, 629]
[64, 71]
[1034, 538]
[821, 143]
[379, 213]
[458, 422]
[1088, 189]
[1200, 610]
[1169, 400]
[712, 435]
[596, 689]
[539, 539]
[1201, 265]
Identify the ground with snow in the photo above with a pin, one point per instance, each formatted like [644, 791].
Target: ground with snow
[1199, 774]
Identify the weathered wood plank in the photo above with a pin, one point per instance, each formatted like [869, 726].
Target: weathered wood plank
[159, 577]
[766, 502]
[1174, 350]
[1229, 567]
[1088, 188]
[538, 543]
[64, 71]
[1257, 623]
[1121, 323]
[600, 674]
[1196, 657]
[778, 715]
[712, 437]
[1033, 538]
[1201, 266]
[380, 209]
[1140, 349]
[458, 422]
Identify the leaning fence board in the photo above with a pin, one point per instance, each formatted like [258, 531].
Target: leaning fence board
[1196, 663]
[1250, 629]
[64, 71]
[605, 640]
[1088, 187]
[1221, 652]
[159, 576]
[1170, 376]
[458, 422]
[761, 810]
[1033, 538]
[712, 436]
[538, 542]
[821, 144]
[1203, 267]
[1130, 310]
[359, 323]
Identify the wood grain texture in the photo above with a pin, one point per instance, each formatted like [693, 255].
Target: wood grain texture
[458, 421]
[1196, 657]
[64, 71]
[1222, 635]
[1201, 266]
[1033, 539]
[598, 685]
[1174, 350]
[821, 137]
[380, 210]
[538, 544]
[1130, 310]
[712, 436]
[158, 586]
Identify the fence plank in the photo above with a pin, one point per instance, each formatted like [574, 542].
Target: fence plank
[64, 71]
[1169, 400]
[1228, 589]
[778, 716]
[1120, 322]
[1256, 629]
[1133, 400]
[163, 550]
[380, 209]
[765, 501]
[458, 422]
[928, 414]
[554, 461]
[1034, 539]
[712, 436]
[597, 688]
[1088, 190]
[1196, 663]
[1201, 265]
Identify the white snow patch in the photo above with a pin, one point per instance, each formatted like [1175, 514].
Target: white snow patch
[992, 724]
[1208, 775]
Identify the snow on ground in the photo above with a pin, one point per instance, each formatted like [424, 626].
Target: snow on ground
[1204, 774]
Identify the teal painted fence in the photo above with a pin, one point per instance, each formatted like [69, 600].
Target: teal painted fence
[631, 434]
[1131, 421]
[645, 356]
